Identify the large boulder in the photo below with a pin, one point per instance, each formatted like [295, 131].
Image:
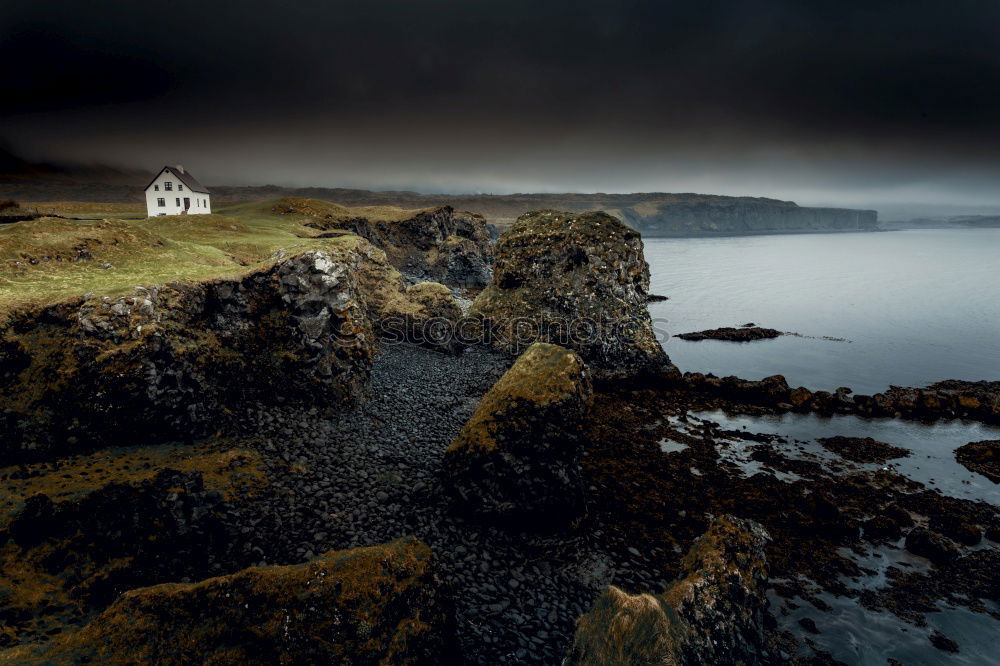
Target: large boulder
[579, 280]
[712, 614]
[377, 605]
[439, 244]
[178, 361]
[425, 313]
[518, 456]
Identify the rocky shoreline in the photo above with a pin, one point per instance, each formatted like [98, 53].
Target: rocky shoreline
[950, 399]
[695, 542]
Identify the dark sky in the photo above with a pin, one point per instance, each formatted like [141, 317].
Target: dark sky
[843, 101]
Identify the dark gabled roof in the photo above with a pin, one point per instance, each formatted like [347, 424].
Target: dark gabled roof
[185, 177]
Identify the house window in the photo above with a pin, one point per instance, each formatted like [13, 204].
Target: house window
[161, 202]
[178, 202]
[180, 187]
[156, 187]
[168, 185]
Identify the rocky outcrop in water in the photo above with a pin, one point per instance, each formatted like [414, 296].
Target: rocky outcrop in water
[712, 614]
[981, 457]
[730, 334]
[377, 605]
[862, 449]
[176, 361]
[518, 456]
[947, 399]
[576, 280]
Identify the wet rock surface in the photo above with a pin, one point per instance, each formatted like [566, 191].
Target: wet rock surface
[576, 280]
[713, 613]
[517, 458]
[375, 473]
[862, 449]
[730, 334]
[978, 401]
[981, 457]
[827, 517]
[382, 604]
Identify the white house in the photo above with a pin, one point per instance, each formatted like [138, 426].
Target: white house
[174, 191]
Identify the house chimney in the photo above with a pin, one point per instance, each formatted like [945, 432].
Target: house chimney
[179, 167]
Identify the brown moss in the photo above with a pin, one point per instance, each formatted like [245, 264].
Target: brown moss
[981, 457]
[380, 604]
[622, 628]
[235, 472]
[544, 374]
[46, 581]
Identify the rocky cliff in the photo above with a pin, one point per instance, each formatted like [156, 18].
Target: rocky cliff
[739, 215]
[438, 243]
[179, 361]
[580, 281]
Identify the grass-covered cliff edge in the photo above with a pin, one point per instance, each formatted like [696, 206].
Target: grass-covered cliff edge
[161, 328]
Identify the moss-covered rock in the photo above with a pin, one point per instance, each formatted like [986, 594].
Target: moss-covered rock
[425, 313]
[579, 280]
[72, 547]
[517, 457]
[176, 361]
[377, 605]
[712, 614]
[440, 244]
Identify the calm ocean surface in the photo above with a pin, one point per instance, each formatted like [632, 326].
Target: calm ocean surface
[914, 307]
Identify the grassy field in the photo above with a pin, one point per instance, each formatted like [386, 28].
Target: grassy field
[87, 209]
[49, 259]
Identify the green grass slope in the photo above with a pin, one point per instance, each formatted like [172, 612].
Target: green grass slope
[49, 259]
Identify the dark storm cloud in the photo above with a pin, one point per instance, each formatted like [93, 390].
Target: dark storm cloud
[802, 86]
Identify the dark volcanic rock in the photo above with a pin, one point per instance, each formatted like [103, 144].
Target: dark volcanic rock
[862, 449]
[382, 604]
[425, 313]
[942, 642]
[981, 457]
[729, 334]
[576, 280]
[713, 613]
[933, 546]
[85, 551]
[518, 456]
[172, 362]
[439, 244]
[947, 399]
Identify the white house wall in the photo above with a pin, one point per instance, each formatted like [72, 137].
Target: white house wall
[201, 203]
